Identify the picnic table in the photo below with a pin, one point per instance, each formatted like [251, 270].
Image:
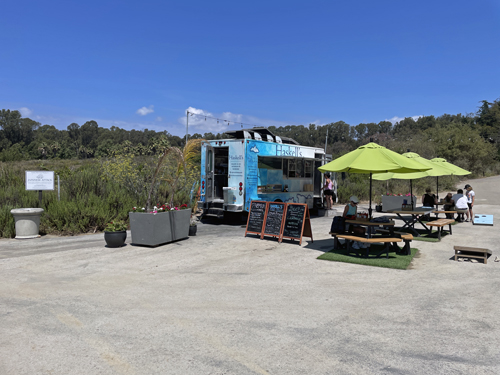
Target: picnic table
[367, 223]
[412, 217]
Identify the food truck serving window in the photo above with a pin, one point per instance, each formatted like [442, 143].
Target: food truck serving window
[295, 168]
[267, 162]
[292, 168]
[307, 168]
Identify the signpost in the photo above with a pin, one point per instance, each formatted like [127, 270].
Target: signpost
[39, 180]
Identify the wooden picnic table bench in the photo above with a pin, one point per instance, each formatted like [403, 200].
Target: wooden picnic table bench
[350, 238]
[439, 224]
[471, 252]
[437, 212]
[406, 237]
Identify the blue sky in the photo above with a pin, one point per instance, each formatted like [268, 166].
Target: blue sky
[140, 65]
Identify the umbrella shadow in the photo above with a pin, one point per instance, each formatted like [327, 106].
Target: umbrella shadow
[324, 246]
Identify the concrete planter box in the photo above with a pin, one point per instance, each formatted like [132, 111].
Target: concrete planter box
[152, 230]
[27, 222]
[180, 221]
[394, 202]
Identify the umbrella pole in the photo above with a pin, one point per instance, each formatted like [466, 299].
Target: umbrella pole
[411, 194]
[437, 188]
[370, 208]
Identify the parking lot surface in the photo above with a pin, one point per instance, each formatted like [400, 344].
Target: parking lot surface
[222, 303]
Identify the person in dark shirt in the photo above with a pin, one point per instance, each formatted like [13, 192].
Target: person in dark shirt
[449, 205]
[428, 199]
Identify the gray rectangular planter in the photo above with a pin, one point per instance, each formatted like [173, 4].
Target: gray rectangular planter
[156, 229]
[179, 222]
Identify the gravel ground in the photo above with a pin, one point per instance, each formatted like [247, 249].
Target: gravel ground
[222, 303]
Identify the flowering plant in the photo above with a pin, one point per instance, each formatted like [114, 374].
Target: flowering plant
[116, 226]
[399, 195]
[161, 208]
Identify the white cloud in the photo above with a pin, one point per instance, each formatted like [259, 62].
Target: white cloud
[204, 121]
[159, 118]
[25, 112]
[145, 110]
[398, 119]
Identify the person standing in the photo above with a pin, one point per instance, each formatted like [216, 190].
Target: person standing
[328, 191]
[471, 196]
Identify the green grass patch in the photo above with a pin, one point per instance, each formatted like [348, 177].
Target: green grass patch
[425, 236]
[396, 261]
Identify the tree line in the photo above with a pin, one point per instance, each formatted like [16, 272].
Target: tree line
[471, 140]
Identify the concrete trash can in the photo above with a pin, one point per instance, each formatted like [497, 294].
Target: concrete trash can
[27, 222]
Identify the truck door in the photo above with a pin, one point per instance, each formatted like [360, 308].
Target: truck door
[209, 172]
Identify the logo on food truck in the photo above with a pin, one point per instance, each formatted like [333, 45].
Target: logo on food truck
[236, 157]
[255, 149]
[288, 151]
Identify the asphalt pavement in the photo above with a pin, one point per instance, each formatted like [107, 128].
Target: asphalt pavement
[222, 303]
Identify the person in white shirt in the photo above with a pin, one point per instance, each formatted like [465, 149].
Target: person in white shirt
[469, 193]
[460, 205]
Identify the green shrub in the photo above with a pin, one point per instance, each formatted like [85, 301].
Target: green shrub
[7, 224]
[87, 202]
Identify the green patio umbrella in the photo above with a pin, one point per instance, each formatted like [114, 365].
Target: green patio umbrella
[435, 171]
[371, 159]
[455, 170]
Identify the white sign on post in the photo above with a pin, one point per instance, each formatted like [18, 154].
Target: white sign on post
[39, 180]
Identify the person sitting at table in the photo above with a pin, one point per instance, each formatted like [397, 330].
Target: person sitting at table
[449, 204]
[460, 205]
[350, 211]
[428, 199]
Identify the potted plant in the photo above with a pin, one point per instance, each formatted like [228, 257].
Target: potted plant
[166, 223]
[115, 233]
[193, 227]
[378, 207]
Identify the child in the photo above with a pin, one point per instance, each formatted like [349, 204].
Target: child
[471, 196]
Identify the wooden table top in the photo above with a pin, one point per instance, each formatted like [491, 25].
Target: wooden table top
[368, 223]
[416, 211]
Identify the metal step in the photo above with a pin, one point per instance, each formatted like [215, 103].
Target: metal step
[215, 212]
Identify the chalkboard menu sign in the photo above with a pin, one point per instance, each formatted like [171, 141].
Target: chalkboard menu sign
[274, 219]
[256, 217]
[294, 220]
[277, 219]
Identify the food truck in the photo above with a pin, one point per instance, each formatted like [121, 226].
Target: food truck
[255, 164]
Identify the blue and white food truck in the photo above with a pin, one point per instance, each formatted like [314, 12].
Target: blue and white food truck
[257, 165]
